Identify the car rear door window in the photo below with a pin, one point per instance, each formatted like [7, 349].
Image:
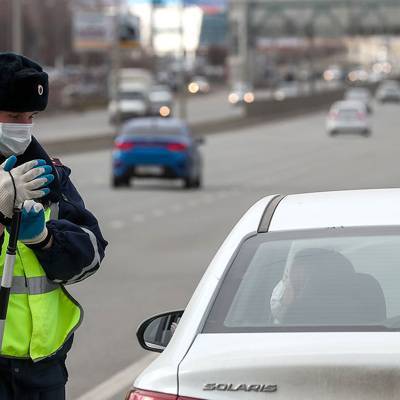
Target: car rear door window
[346, 279]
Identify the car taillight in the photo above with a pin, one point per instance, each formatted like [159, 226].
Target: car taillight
[124, 145]
[333, 115]
[176, 146]
[361, 116]
[146, 395]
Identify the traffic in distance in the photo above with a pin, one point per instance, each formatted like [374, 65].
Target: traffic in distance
[354, 114]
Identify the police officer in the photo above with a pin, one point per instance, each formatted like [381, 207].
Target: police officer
[60, 243]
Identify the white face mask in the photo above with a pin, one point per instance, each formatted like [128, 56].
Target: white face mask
[14, 138]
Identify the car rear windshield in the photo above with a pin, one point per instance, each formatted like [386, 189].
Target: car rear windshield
[349, 113]
[131, 96]
[154, 130]
[357, 94]
[318, 280]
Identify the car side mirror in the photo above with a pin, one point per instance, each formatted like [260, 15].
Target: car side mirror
[155, 333]
[200, 140]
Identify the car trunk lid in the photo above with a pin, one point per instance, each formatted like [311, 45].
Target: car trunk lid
[325, 365]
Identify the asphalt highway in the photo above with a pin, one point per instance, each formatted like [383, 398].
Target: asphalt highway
[162, 237]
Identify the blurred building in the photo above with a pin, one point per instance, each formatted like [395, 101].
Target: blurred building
[189, 28]
[267, 36]
[214, 29]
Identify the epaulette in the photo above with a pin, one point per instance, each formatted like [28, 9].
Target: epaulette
[56, 162]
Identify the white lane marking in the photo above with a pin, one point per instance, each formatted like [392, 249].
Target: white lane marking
[158, 213]
[118, 382]
[176, 208]
[138, 218]
[208, 199]
[192, 203]
[222, 195]
[117, 224]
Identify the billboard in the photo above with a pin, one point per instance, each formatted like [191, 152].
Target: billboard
[92, 31]
[208, 6]
[221, 4]
[129, 31]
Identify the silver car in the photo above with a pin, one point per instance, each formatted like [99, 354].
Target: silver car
[348, 117]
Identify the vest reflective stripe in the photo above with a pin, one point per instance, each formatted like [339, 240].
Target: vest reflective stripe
[54, 211]
[90, 269]
[36, 285]
[41, 315]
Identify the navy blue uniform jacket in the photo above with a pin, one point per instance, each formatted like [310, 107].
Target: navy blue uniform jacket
[78, 245]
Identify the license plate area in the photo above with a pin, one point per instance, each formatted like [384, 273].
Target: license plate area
[348, 116]
[146, 170]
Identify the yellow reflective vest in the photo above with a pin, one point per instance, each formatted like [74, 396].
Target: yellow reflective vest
[41, 314]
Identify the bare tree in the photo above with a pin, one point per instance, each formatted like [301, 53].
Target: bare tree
[5, 36]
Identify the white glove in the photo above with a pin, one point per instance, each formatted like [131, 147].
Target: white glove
[29, 179]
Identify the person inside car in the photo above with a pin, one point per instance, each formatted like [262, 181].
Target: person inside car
[314, 287]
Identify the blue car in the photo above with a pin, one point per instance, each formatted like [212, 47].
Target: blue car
[156, 148]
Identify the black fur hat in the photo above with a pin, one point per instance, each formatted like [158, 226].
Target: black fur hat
[23, 84]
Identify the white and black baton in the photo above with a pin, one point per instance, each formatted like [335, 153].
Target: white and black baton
[8, 270]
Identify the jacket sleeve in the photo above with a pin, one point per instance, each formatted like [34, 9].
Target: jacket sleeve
[78, 245]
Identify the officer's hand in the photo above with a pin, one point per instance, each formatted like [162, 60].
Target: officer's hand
[30, 180]
[33, 225]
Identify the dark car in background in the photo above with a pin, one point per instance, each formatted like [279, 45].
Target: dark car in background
[156, 148]
[388, 92]
[161, 101]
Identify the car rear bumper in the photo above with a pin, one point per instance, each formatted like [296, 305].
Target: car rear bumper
[393, 99]
[171, 165]
[348, 127]
[166, 172]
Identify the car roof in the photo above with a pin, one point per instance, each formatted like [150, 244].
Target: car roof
[350, 208]
[157, 88]
[390, 86]
[358, 90]
[390, 83]
[349, 104]
[199, 78]
[155, 123]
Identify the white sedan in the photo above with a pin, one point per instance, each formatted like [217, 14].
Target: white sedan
[348, 116]
[388, 92]
[300, 302]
